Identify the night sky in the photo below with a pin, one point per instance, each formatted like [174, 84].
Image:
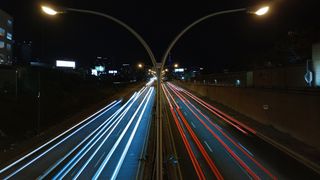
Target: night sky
[218, 43]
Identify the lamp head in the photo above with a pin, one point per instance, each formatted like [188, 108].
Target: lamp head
[262, 11]
[51, 10]
[259, 11]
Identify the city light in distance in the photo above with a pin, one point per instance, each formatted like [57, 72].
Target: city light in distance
[112, 71]
[69, 64]
[179, 70]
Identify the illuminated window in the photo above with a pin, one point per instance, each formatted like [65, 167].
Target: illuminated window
[2, 32]
[9, 22]
[1, 58]
[9, 36]
[238, 82]
[9, 47]
[1, 44]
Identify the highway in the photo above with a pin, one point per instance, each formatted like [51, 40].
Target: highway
[107, 145]
[213, 145]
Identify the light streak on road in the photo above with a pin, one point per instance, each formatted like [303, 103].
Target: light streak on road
[89, 140]
[105, 161]
[196, 112]
[112, 104]
[68, 167]
[124, 153]
[55, 145]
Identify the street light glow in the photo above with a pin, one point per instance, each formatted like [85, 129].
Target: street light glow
[48, 10]
[176, 65]
[262, 11]
[140, 65]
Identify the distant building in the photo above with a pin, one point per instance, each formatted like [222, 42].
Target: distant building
[6, 38]
[23, 52]
[316, 64]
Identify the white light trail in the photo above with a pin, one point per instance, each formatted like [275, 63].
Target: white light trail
[70, 152]
[97, 174]
[114, 124]
[124, 153]
[113, 104]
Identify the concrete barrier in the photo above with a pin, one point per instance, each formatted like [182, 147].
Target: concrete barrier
[295, 113]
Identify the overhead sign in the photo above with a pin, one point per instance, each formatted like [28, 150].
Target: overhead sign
[69, 64]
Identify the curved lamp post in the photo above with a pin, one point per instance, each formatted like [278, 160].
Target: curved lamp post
[52, 11]
[259, 12]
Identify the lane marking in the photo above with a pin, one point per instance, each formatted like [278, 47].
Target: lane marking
[99, 159]
[193, 125]
[205, 142]
[185, 113]
[73, 172]
[119, 132]
[217, 126]
[246, 149]
[238, 165]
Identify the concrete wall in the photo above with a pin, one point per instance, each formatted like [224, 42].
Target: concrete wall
[296, 113]
[292, 77]
[277, 77]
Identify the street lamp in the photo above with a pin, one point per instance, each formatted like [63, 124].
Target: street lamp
[262, 11]
[257, 11]
[52, 11]
[49, 10]
[140, 65]
[176, 65]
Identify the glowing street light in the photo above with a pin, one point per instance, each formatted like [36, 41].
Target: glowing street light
[176, 65]
[140, 65]
[256, 11]
[48, 10]
[55, 10]
[262, 11]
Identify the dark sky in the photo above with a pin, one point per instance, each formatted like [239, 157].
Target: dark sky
[215, 44]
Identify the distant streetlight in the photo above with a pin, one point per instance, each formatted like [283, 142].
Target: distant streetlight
[140, 65]
[257, 11]
[166, 69]
[176, 65]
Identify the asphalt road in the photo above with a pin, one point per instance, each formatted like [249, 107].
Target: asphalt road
[213, 145]
[107, 145]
